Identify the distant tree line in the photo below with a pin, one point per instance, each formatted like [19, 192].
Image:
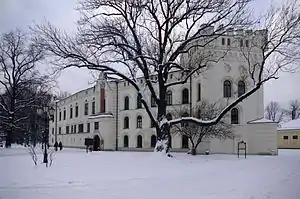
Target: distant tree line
[275, 112]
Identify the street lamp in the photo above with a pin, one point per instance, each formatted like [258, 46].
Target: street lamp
[47, 113]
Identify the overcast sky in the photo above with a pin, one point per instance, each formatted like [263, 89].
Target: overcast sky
[22, 13]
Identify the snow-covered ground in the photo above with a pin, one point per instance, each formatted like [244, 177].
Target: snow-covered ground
[134, 175]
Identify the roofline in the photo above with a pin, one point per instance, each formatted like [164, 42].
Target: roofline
[270, 122]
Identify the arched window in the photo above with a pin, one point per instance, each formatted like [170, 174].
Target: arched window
[169, 116]
[139, 143]
[169, 98]
[227, 88]
[185, 96]
[184, 142]
[139, 121]
[241, 88]
[126, 123]
[234, 116]
[153, 141]
[139, 101]
[126, 103]
[126, 141]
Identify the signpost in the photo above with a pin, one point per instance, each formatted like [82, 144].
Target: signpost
[242, 145]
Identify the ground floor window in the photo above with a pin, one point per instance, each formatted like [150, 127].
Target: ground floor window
[153, 141]
[126, 141]
[295, 137]
[285, 137]
[184, 142]
[139, 143]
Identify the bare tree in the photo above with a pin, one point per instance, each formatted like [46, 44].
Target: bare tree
[293, 111]
[36, 152]
[19, 76]
[197, 133]
[62, 95]
[127, 38]
[274, 112]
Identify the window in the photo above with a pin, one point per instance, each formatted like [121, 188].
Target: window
[152, 124]
[71, 112]
[88, 127]
[241, 88]
[96, 125]
[169, 98]
[126, 103]
[72, 129]
[227, 88]
[153, 141]
[153, 103]
[59, 130]
[76, 111]
[80, 128]
[139, 143]
[285, 137]
[223, 41]
[228, 42]
[184, 142]
[199, 92]
[139, 121]
[65, 114]
[86, 108]
[67, 129]
[241, 43]
[93, 107]
[247, 43]
[126, 141]
[126, 123]
[139, 101]
[171, 76]
[59, 115]
[295, 137]
[52, 131]
[75, 130]
[234, 116]
[185, 96]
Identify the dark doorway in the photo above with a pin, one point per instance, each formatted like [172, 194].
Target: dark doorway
[96, 146]
[184, 142]
[153, 141]
[126, 141]
[139, 141]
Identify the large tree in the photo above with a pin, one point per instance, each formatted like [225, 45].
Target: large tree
[146, 37]
[274, 112]
[21, 82]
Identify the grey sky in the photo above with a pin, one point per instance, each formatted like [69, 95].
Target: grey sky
[21, 13]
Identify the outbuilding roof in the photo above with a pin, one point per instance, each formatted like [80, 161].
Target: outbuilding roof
[290, 125]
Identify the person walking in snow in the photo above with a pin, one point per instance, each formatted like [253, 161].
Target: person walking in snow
[56, 145]
[60, 146]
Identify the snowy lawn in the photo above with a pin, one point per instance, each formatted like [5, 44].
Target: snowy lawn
[133, 175]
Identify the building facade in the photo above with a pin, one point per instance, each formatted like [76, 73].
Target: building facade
[289, 135]
[111, 113]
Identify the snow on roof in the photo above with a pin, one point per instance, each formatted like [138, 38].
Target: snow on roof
[290, 125]
[261, 120]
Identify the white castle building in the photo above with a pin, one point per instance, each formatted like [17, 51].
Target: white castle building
[111, 114]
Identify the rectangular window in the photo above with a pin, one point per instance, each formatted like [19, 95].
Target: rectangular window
[59, 115]
[65, 114]
[67, 129]
[241, 43]
[52, 131]
[96, 125]
[199, 92]
[295, 137]
[80, 128]
[228, 42]
[247, 43]
[75, 129]
[76, 111]
[71, 113]
[93, 107]
[223, 41]
[285, 137]
[88, 127]
[59, 130]
[86, 109]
